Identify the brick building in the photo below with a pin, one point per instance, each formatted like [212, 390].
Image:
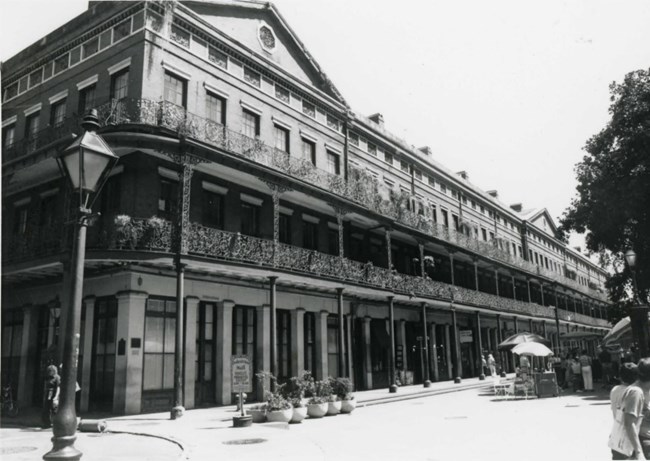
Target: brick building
[300, 222]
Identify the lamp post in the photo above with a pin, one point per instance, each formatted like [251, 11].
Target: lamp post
[86, 164]
[639, 311]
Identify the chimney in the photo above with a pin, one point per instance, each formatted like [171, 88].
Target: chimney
[378, 119]
[426, 150]
[517, 207]
[493, 193]
[463, 174]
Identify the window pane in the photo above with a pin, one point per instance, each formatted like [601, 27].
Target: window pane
[174, 90]
[154, 330]
[153, 364]
[168, 376]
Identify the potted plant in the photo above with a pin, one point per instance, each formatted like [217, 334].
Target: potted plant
[343, 389]
[316, 403]
[294, 391]
[258, 412]
[333, 402]
[278, 409]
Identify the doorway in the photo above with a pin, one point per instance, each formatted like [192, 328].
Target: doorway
[102, 366]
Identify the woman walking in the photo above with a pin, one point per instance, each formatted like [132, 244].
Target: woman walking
[52, 386]
[587, 376]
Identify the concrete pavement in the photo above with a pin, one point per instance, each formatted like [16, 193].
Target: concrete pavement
[204, 433]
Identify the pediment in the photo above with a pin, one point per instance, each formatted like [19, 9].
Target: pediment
[544, 222]
[259, 27]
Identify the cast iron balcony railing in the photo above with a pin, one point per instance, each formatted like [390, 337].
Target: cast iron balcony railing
[361, 187]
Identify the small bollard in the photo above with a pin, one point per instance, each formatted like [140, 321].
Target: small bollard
[92, 425]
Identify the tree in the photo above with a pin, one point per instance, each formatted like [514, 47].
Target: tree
[613, 194]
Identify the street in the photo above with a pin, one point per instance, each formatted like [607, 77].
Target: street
[464, 425]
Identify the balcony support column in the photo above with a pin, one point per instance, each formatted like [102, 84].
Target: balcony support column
[450, 372]
[451, 265]
[367, 354]
[272, 328]
[421, 250]
[340, 213]
[341, 337]
[389, 255]
[276, 191]
[530, 325]
[392, 387]
[502, 355]
[514, 288]
[541, 290]
[456, 345]
[434, 352]
[479, 348]
[528, 287]
[476, 274]
[514, 362]
[425, 345]
[496, 281]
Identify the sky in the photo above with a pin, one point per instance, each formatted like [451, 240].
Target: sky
[508, 91]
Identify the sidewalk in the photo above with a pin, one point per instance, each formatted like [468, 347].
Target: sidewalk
[154, 436]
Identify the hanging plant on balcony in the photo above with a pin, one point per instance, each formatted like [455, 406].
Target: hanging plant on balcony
[154, 231]
[126, 233]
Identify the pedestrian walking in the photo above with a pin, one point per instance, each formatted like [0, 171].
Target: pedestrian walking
[52, 386]
[492, 365]
[630, 437]
[606, 363]
[576, 374]
[585, 367]
[483, 364]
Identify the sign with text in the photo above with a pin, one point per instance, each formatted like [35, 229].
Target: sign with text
[466, 336]
[240, 372]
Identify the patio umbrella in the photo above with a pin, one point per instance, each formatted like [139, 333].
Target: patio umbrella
[523, 337]
[534, 349]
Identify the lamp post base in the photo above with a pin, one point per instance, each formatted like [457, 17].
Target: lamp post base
[177, 412]
[457, 380]
[427, 383]
[392, 389]
[242, 421]
[503, 374]
[481, 377]
[63, 449]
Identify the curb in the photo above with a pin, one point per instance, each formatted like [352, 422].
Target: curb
[184, 451]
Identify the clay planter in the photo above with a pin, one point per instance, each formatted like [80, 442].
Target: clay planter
[259, 416]
[299, 413]
[333, 408]
[279, 416]
[317, 410]
[347, 406]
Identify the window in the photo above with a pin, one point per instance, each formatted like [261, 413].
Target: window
[250, 217]
[8, 136]
[434, 214]
[252, 77]
[491, 236]
[333, 123]
[281, 138]
[32, 125]
[484, 234]
[354, 139]
[243, 331]
[87, 99]
[175, 90]
[333, 242]
[431, 181]
[308, 109]
[12, 340]
[217, 57]
[21, 213]
[333, 165]
[36, 77]
[90, 47]
[122, 30]
[417, 174]
[310, 235]
[57, 113]
[110, 196]
[180, 36]
[310, 342]
[61, 63]
[309, 151]
[333, 355]
[285, 228]
[159, 344]
[443, 188]
[372, 149]
[283, 335]
[404, 166]
[120, 84]
[11, 91]
[454, 194]
[456, 222]
[250, 124]
[212, 209]
[445, 217]
[215, 108]
[168, 197]
[282, 94]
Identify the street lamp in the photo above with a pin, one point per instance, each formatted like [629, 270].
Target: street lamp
[639, 311]
[86, 163]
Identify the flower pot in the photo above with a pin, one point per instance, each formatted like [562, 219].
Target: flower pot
[299, 413]
[333, 408]
[317, 410]
[259, 416]
[279, 416]
[348, 405]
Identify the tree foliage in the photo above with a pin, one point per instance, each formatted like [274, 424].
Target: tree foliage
[613, 194]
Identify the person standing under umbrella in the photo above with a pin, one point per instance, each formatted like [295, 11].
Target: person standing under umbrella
[587, 377]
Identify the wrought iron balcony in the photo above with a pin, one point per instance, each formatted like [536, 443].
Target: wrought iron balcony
[361, 187]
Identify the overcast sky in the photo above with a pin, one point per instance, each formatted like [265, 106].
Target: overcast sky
[507, 90]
